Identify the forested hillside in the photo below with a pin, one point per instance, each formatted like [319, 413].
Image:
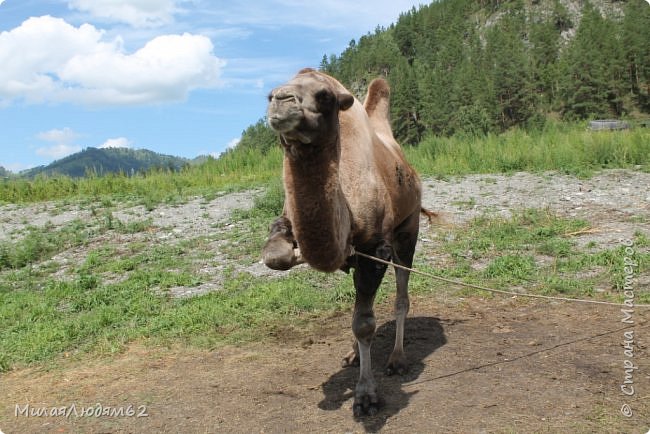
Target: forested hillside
[485, 66]
[101, 161]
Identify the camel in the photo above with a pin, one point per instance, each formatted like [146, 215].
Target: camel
[348, 188]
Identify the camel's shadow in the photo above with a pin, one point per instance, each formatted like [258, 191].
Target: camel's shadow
[423, 335]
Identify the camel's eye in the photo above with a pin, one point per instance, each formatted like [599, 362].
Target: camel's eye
[270, 97]
[325, 100]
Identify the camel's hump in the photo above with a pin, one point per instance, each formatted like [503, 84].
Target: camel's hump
[378, 98]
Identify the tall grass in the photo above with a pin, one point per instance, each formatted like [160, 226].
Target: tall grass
[567, 148]
[233, 170]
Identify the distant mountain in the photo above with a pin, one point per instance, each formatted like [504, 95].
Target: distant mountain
[102, 161]
[4, 172]
[199, 160]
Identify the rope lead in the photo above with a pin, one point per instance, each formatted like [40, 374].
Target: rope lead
[496, 291]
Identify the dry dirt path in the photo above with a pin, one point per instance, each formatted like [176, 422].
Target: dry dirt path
[476, 366]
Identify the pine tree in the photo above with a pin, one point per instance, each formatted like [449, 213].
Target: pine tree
[594, 69]
[636, 37]
[508, 62]
[544, 38]
[404, 104]
[258, 136]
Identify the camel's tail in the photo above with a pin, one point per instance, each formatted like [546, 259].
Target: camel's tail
[377, 105]
[432, 216]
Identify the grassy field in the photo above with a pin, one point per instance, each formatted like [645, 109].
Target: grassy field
[568, 148]
[534, 251]
[118, 292]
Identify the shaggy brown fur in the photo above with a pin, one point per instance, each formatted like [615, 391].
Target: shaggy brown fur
[347, 184]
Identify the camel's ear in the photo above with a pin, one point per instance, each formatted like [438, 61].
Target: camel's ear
[345, 101]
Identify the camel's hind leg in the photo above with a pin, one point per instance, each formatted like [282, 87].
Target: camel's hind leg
[367, 277]
[404, 248]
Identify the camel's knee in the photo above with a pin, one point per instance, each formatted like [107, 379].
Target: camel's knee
[363, 327]
[279, 253]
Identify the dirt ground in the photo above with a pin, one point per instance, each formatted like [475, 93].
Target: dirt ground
[500, 365]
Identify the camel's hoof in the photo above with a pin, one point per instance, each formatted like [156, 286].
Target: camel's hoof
[366, 400]
[399, 368]
[397, 364]
[365, 405]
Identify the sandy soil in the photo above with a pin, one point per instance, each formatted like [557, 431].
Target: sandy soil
[476, 366]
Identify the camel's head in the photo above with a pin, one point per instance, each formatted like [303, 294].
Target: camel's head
[305, 110]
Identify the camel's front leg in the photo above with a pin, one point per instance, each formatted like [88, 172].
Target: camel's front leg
[366, 400]
[281, 250]
[367, 277]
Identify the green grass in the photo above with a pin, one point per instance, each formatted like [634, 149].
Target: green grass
[247, 239]
[567, 148]
[119, 293]
[534, 251]
[41, 243]
[83, 314]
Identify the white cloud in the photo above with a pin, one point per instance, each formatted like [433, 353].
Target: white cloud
[137, 13]
[364, 15]
[47, 59]
[118, 142]
[62, 143]
[17, 167]
[233, 143]
[229, 146]
[65, 135]
[57, 151]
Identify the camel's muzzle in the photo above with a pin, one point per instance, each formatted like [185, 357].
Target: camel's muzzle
[284, 113]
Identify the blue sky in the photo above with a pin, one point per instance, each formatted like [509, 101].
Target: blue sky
[179, 77]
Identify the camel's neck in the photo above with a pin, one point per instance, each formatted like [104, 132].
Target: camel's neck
[317, 208]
